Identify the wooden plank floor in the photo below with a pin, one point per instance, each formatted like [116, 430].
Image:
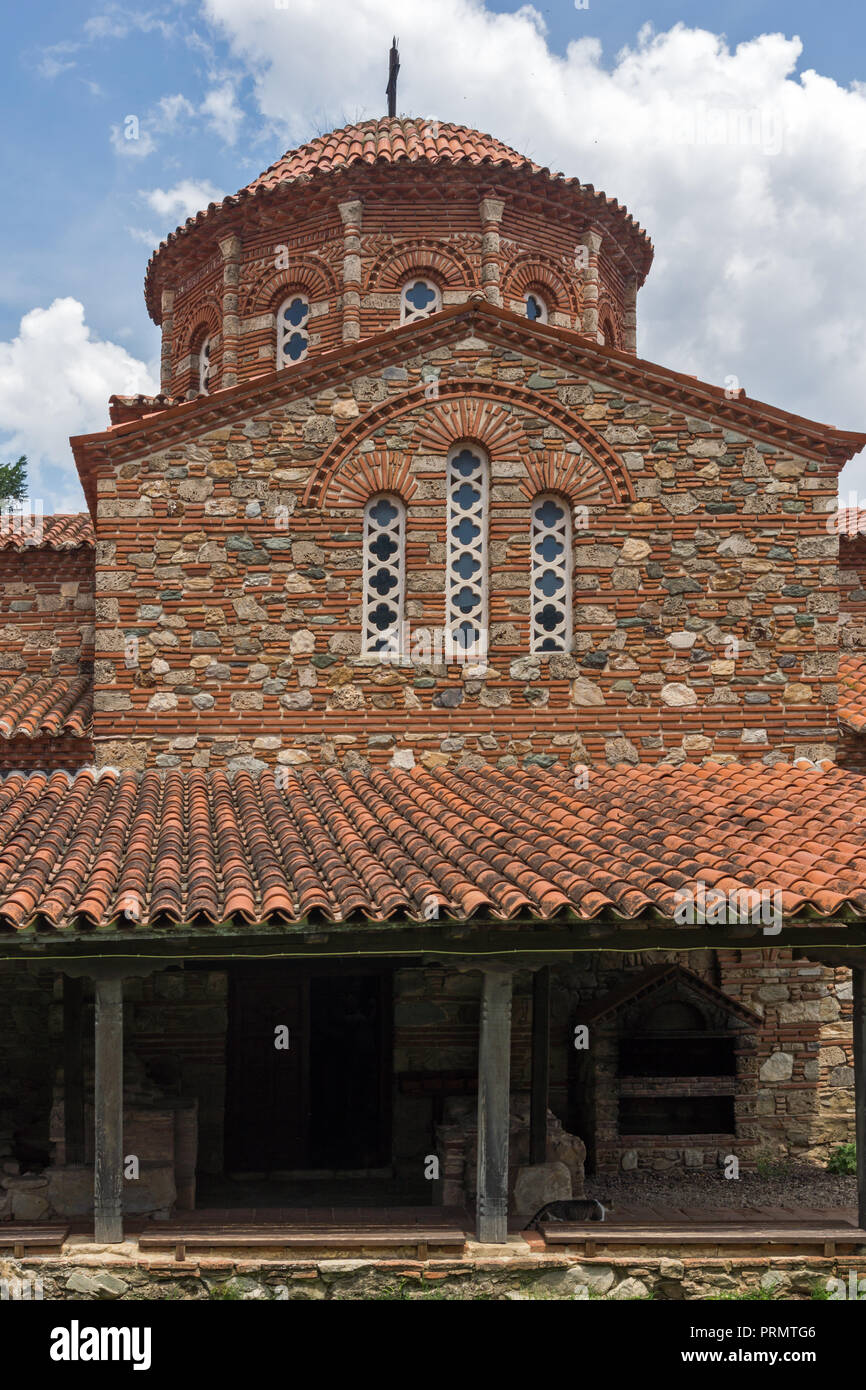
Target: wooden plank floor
[421, 1230]
[26, 1239]
[627, 1213]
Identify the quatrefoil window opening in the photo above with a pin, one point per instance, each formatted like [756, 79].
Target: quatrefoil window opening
[466, 578]
[550, 575]
[384, 574]
[293, 338]
[418, 300]
[204, 366]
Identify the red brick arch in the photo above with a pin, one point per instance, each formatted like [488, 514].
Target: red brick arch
[443, 262]
[205, 321]
[491, 416]
[364, 474]
[528, 272]
[308, 274]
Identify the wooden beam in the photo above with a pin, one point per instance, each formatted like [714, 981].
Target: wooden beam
[73, 1069]
[540, 1082]
[108, 1113]
[859, 981]
[494, 1109]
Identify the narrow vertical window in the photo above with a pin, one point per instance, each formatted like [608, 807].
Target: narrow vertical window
[384, 571]
[204, 366]
[466, 586]
[550, 581]
[293, 338]
[535, 307]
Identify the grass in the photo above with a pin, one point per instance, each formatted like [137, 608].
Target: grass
[843, 1160]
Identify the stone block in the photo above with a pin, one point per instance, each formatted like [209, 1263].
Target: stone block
[538, 1183]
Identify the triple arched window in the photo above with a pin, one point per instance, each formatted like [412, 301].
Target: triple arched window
[467, 567]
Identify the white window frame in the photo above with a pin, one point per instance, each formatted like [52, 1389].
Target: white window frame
[288, 330]
[540, 301]
[562, 566]
[409, 314]
[204, 365]
[454, 549]
[396, 565]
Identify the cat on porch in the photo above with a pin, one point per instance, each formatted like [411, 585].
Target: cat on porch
[570, 1209]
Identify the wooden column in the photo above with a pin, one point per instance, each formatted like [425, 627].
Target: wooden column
[858, 973]
[494, 1091]
[73, 1069]
[108, 1107]
[540, 1082]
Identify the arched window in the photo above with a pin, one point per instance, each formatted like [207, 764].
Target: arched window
[608, 336]
[293, 338]
[466, 579]
[204, 366]
[418, 300]
[550, 578]
[535, 307]
[384, 575]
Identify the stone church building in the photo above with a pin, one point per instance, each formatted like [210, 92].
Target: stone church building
[436, 760]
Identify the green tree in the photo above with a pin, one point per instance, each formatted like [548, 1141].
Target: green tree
[13, 480]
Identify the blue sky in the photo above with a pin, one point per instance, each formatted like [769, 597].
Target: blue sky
[758, 270]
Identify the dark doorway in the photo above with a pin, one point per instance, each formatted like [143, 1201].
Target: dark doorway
[324, 1101]
[346, 1074]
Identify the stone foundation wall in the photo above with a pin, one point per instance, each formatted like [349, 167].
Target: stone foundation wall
[515, 1278]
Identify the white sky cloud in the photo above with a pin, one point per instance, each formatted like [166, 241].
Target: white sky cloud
[55, 380]
[174, 205]
[132, 139]
[223, 113]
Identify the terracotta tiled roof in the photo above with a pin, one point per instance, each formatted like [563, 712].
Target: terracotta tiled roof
[124, 408]
[405, 140]
[196, 848]
[391, 139]
[59, 532]
[45, 706]
[852, 691]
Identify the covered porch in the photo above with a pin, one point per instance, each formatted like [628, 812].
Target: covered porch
[310, 1150]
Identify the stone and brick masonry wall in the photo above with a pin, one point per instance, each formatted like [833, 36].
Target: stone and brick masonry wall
[804, 1096]
[234, 557]
[852, 592]
[46, 610]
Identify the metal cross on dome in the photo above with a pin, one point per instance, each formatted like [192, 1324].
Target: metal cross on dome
[393, 70]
